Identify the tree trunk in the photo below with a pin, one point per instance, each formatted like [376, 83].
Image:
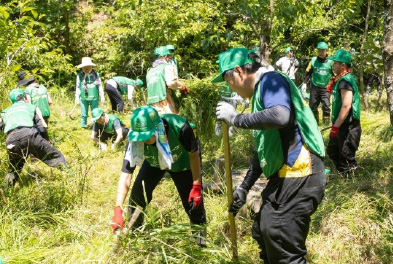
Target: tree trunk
[387, 54]
[361, 68]
[266, 29]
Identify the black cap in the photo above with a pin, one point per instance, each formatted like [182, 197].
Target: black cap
[23, 80]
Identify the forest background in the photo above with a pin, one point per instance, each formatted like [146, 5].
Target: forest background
[57, 218]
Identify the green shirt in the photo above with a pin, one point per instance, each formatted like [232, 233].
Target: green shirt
[156, 85]
[181, 160]
[39, 97]
[337, 100]
[20, 114]
[322, 72]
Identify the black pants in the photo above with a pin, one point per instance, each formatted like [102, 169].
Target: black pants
[281, 226]
[342, 150]
[46, 119]
[22, 142]
[148, 179]
[103, 136]
[115, 97]
[319, 95]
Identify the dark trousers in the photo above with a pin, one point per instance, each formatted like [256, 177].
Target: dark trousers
[22, 142]
[319, 96]
[281, 226]
[115, 97]
[46, 119]
[342, 150]
[103, 136]
[148, 179]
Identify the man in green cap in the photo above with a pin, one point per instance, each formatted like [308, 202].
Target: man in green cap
[171, 56]
[118, 86]
[26, 135]
[160, 144]
[162, 82]
[346, 131]
[320, 71]
[37, 94]
[288, 64]
[289, 152]
[107, 126]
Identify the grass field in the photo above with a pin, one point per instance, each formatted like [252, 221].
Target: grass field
[64, 216]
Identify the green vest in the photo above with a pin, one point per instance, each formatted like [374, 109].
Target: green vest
[181, 160]
[322, 72]
[123, 82]
[39, 97]
[92, 87]
[20, 114]
[268, 142]
[337, 100]
[108, 128]
[156, 85]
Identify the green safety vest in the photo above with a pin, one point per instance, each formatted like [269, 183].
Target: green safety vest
[322, 72]
[108, 128]
[156, 85]
[92, 87]
[181, 160]
[337, 100]
[20, 114]
[123, 82]
[39, 97]
[268, 142]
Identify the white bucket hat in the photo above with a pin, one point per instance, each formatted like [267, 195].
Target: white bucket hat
[86, 61]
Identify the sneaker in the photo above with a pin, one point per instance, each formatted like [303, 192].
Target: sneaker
[200, 237]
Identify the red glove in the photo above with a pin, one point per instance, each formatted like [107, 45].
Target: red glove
[195, 198]
[184, 89]
[117, 219]
[334, 132]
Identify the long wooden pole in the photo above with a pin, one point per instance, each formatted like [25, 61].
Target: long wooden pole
[228, 176]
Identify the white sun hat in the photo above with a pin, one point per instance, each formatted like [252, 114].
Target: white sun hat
[86, 61]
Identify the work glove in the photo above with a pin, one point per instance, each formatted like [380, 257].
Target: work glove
[195, 198]
[77, 101]
[184, 89]
[102, 99]
[239, 199]
[103, 146]
[334, 132]
[117, 219]
[226, 113]
[304, 87]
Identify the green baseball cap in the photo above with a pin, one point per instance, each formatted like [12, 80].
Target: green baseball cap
[16, 94]
[139, 82]
[342, 56]
[170, 47]
[322, 45]
[287, 50]
[144, 120]
[227, 60]
[161, 51]
[96, 113]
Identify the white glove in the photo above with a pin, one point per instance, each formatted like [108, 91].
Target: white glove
[304, 87]
[246, 103]
[77, 101]
[113, 147]
[102, 99]
[103, 146]
[226, 113]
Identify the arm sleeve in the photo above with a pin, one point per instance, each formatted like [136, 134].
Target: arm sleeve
[188, 139]
[99, 84]
[126, 168]
[272, 118]
[345, 85]
[170, 73]
[77, 90]
[252, 175]
[40, 127]
[116, 124]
